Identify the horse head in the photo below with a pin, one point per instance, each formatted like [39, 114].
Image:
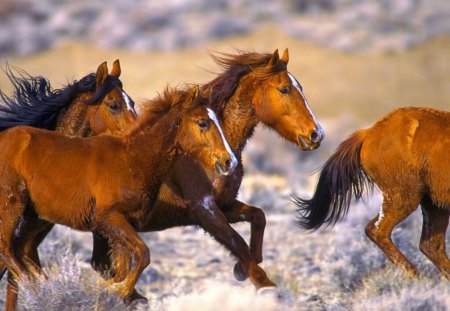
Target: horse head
[111, 109]
[280, 103]
[201, 136]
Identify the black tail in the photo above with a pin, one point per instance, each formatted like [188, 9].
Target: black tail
[35, 103]
[341, 177]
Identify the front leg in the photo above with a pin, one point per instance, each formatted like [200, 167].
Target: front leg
[211, 219]
[112, 263]
[238, 212]
[117, 230]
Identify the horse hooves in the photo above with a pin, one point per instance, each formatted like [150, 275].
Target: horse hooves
[269, 292]
[136, 298]
[239, 273]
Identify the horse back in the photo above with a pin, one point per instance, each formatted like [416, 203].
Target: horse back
[67, 178]
[409, 148]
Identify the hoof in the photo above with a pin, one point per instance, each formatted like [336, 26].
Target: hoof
[268, 291]
[239, 273]
[135, 298]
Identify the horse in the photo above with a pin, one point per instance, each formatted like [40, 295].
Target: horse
[107, 184]
[253, 88]
[93, 105]
[405, 154]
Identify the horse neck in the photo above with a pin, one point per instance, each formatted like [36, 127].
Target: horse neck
[72, 119]
[238, 117]
[152, 147]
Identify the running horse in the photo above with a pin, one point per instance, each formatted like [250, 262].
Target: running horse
[253, 88]
[107, 184]
[93, 105]
[406, 154]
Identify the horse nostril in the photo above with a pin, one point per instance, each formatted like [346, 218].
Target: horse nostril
[228, 164]
[315, 136]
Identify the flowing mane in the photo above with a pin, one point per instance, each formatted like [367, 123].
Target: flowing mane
[235, 66]
[158, 106]
[35, 103]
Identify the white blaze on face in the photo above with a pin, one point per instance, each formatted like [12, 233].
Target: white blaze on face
[297, 86]
[127, 100]
[213, 117]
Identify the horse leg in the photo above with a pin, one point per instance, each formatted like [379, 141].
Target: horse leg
[380, 228]
[101, 255]
[32, 231]
[11, 211]
[212, 220]
[11, 293]
[116, 228]
[257, 219]
[115, 263]
[432, 240]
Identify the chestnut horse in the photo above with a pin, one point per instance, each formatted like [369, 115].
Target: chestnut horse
[406, 154]
[106, 184]
[253, 88]
[93, 105]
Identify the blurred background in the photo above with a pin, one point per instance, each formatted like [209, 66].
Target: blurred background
[356, 60]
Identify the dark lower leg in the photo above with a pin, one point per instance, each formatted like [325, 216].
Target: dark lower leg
[257, 219]
[212, 220]
[432, 240]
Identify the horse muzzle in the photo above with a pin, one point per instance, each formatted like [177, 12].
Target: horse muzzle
[312, 141]
[226, 167]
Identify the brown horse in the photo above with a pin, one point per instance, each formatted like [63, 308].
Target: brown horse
[106, 184]
[253, 88]
[406, 154]
[93, 105]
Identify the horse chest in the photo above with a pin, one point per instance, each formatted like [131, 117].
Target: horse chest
[226, 189]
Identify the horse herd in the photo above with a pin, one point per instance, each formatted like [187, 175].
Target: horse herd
[82, 157]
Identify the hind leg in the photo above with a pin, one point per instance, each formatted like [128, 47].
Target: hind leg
[380, 228]
[432, 241]
[11, 211]
[27, 242]
[257, 219]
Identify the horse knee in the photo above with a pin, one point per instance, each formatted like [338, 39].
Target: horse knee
[143, 255]
[370, 231]
[259, 218]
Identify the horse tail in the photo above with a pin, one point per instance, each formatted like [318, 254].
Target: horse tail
[341, 177]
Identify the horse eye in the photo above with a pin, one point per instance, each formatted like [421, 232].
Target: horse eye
[203, 124]
[114, 107]
[284, 90]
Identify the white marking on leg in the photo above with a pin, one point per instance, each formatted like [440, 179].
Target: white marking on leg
[127, 100]
[213, 117]
[380, 217]
[207, 202]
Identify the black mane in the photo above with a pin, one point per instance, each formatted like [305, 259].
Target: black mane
[35, 103]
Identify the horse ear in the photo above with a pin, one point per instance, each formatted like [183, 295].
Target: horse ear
[195, 92]
[275, 58]
[115, 71]
[102, 74]
[285, 57]
[193, 96]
